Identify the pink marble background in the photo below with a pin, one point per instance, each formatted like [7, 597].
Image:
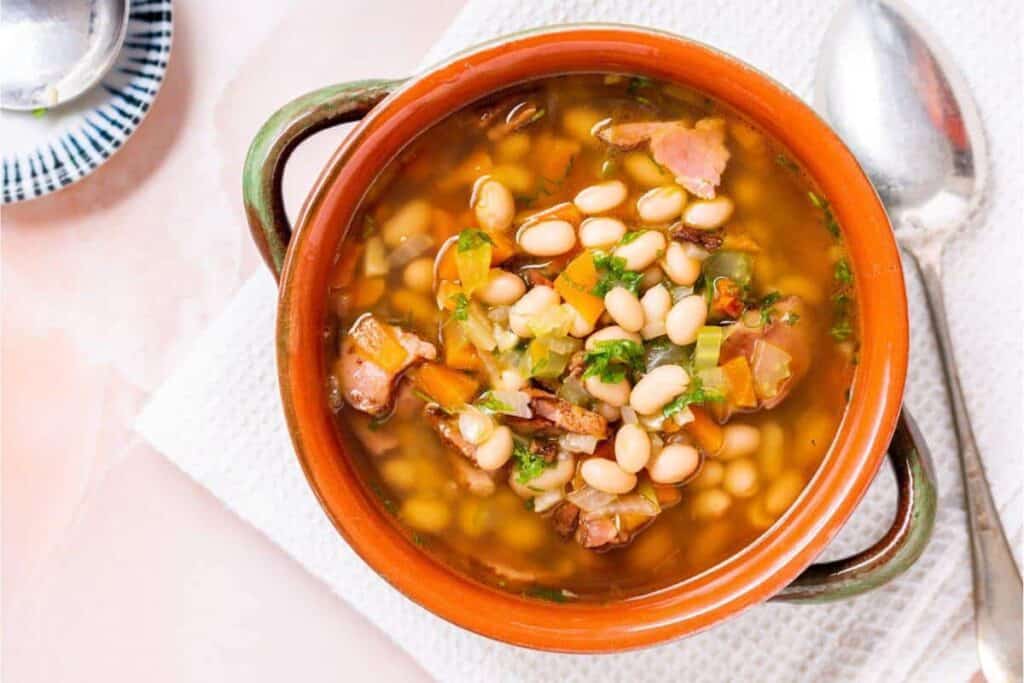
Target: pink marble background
[115, 565]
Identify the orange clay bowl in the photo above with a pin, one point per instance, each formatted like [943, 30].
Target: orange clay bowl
[778, 563]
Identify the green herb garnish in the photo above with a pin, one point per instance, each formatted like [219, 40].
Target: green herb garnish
[630, 237]
[470, 239]
[613, 359]
[492, 404]
[537, 116]
[636, 83]
[767, 302]
[613, 274]
[842, 329]
[695, 394]
[608, 168]
[785, 162]
[529, 465]
[842, 272]
[461, 311]
[39, 112]
[545, 593]
[830, 220]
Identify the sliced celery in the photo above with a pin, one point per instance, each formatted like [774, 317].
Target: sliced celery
[709, 345]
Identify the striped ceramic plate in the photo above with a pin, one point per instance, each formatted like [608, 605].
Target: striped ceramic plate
[46, 151]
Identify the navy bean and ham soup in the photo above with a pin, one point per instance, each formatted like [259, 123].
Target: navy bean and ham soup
[593, 336]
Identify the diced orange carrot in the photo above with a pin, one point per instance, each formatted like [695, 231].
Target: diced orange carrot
[417, 306]
[367, 291]
[443, 225]
[557, 156]
[451, 388]
[705, 431]
[378, 343]
[345, 268]
[575, 284]
[459, 353]
[445, 268]
[446, 293]
[741, 382]
[502, 248]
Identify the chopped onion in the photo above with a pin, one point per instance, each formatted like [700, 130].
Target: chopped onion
[573, 392]
[564, 345]
[474, 425]
[375, 260]
[652, 423]
[683, 417]
[578, 443]
[770, 367]
[514, 403]
[499, 314]
[478, 329]
[505, 338]
[633, 504]
[553, 321]
[590, 499]
[413, 246]
[628, 415]
[547, 500]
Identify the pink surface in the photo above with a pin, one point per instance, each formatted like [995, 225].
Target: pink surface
[115, 565]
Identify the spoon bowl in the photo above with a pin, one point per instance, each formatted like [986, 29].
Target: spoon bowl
[54, 51]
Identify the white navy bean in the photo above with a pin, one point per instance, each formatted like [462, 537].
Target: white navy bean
[685, 319]
[548, 238]
[605, 475]
[601, 197]
[625, 309]
[658, 387]
[662, 204]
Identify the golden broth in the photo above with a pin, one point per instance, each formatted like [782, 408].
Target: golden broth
[777, 219]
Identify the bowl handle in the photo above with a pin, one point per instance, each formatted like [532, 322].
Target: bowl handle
[899, 547]
[274, 143]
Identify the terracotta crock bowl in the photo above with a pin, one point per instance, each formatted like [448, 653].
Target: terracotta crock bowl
[775, 566]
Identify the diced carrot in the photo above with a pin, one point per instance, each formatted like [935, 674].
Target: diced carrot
[367, 291]
[575, 284]
[459, 353]
[445, 268]
[345, 268]
[502, 249]
[556, 156]
[443, 225]
[741, 382]
[451, 388]
[446, 293]
[378, 343]
[705, 431]
[417, 306]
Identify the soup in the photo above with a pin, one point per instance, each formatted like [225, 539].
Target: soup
[592, 336]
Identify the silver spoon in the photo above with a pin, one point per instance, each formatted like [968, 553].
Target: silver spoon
[897, 100]
[54, 50]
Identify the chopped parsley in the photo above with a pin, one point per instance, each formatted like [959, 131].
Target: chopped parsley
[461, 311]
[787, 163]
[694, 394]
[790, 318]
[843, 273]
[529, 465]
[545, 593]
[608, 168]
[842, 329]
[492, 404]
[767, 303]
[613, 359]
[638, 82]
[831, 224]
[631, 236]
[470, 239]
[537, 116]
[613, 273]
[39, 112]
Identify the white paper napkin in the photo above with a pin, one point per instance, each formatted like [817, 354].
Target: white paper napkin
[219, 419]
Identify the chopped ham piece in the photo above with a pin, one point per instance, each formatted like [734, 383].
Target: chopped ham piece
[367, 386]
[564, 519]
[447, 427]
[696, 156]
[565, 415]
[461, 453]
[779, 352]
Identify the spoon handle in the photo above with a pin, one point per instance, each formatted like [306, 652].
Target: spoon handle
[997, 581]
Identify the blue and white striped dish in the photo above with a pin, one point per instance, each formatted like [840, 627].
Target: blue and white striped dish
[42, 154]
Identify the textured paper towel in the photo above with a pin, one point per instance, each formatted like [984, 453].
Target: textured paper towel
[218, 417]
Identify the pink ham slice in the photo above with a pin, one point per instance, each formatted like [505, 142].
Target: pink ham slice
[696, 156]
[367, 386]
